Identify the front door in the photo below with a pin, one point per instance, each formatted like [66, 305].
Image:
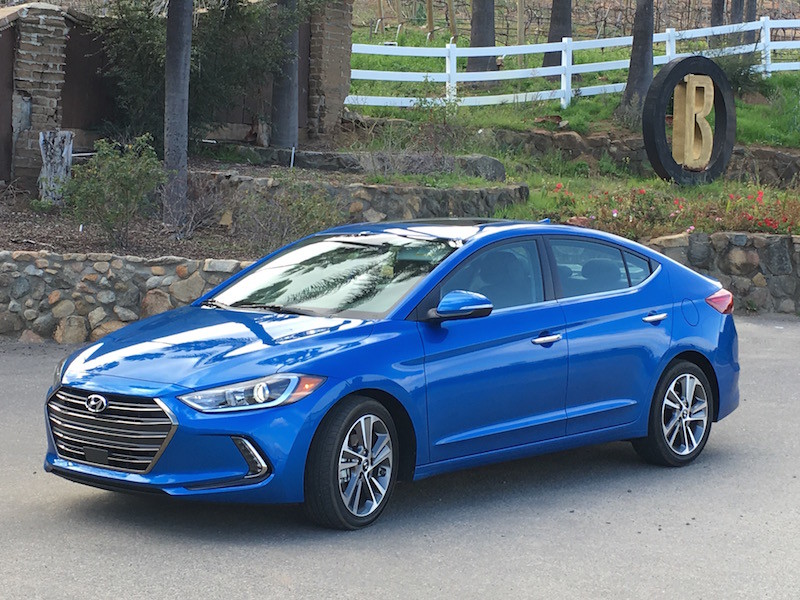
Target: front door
[497, 381]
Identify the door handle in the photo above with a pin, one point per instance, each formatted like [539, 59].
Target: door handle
[547, 339]
[656, 318]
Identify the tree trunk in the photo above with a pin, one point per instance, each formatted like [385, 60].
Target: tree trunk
[560, 27]
[640, 73]
[176, 112]
[737, 11]
[750, 7]
[717, 12]
[285, 92]
[481, 33]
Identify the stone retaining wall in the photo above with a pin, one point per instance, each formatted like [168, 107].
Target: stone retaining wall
[762, 270]
[73, 298]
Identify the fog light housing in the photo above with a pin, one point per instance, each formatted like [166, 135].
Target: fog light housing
[257, 467]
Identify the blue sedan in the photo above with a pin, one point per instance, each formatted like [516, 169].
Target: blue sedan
[370, 353]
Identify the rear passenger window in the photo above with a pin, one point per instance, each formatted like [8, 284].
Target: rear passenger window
[585, 267]
[638, 268]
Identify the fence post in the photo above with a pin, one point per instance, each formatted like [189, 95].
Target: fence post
[766, 51]
[670, 31]
[566, 74]
[451, 67]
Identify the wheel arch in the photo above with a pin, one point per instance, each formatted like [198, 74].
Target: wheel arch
[402, 421]
[704, 365]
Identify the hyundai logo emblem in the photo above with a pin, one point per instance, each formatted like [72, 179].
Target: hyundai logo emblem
[96, 403]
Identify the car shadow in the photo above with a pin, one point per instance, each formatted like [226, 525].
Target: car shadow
[551, 483]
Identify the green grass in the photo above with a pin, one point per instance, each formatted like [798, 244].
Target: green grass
[776, 124]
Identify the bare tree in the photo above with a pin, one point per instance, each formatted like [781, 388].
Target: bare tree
[640, 73]
[737, 11]
[560, 27]
[717, 12]
[481, 33]
[176, 112]
[750, 8]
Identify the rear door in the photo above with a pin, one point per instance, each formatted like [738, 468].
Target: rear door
[497, 381]
[618, 310]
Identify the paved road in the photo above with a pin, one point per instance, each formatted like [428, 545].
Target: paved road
[591, 523]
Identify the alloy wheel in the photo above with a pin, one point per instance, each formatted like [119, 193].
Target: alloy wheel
[365, 465]
[684, 414]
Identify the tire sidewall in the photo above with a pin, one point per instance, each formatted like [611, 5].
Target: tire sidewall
[339, 425]
[656, 431]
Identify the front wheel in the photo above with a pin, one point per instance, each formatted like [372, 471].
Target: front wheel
[352, 465]
[680, 417]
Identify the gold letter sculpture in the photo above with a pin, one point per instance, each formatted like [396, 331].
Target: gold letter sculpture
[692, 138]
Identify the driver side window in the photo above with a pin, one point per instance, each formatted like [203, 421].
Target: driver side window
[508, 274]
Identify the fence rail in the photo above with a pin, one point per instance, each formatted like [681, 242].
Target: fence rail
[451, 76]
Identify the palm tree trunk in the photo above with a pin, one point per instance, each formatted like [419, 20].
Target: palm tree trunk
[176, 112]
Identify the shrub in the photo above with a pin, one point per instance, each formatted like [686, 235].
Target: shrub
[115, 185]
[293, 210]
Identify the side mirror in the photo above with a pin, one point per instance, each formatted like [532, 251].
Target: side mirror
[460, 304]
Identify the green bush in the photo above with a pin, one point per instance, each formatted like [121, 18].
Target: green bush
[115, 186]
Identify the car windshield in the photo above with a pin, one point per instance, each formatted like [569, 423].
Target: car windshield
[362, 275]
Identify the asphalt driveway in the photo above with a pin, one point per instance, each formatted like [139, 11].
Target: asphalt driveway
[590, 523]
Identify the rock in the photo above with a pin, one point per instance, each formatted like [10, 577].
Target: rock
[20, 287]
[579, 221]
[373, 216]
[758, 299]
[32, 271]
[125, 314]
[355, 207]
[29, 337]
[106, 297]
[479, 165]
[759, 280]
[99, 257]
[155, 302]
[104, 329]
[101, 267]
[741, 285]
[44, 325]
[187, 290]
[719, 240]
[63, 309]
[158, 270]
[787, 306]
[700, 254]
[71, 330]
[777, 258]
[14, 306]
[9, 323]
[783, 286]
[679, 240]
[129, 296]
[220, 266]
[570, 142]
[30, 314]
[739, 261]
[153, 282]
[96, 317]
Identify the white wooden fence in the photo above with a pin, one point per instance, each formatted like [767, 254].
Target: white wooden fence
[451, 77]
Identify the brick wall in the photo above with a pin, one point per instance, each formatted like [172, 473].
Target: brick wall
[329, 76]
[39, 68]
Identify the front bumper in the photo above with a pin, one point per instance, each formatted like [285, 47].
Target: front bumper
[247, 456]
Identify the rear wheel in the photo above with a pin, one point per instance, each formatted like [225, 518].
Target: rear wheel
[352, 465]
[680, 417]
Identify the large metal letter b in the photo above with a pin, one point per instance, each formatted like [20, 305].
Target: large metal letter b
[692, 138]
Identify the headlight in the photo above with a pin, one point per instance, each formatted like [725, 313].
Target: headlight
[275, 390]
[59, 373]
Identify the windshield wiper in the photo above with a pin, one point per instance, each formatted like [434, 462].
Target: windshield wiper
[278, 308]
[214, 303]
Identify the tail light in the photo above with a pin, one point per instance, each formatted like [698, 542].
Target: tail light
[721, 300]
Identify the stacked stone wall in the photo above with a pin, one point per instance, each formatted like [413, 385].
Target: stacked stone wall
[762, 270]
[73, 298]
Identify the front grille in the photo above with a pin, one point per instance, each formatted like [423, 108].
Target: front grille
[128, 435]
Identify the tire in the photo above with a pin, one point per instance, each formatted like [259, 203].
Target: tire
[678, 428]
[348, 482]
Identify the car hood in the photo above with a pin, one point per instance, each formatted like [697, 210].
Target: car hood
[198, 347]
